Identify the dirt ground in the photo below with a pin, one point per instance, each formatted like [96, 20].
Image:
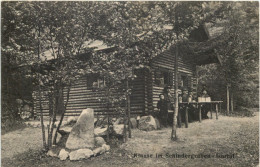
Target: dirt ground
[228, 141]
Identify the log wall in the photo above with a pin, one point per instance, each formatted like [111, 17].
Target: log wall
[81, 97]
[166, 61]
[145, 93]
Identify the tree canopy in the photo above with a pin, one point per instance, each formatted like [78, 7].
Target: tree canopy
[55, 33]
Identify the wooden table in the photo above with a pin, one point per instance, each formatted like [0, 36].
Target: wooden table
[198, 104]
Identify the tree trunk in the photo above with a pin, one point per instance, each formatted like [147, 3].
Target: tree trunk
[176, 110]
[40, 96]
[108, 95]
[128, 110]
[51, 104]
[232, 102]
[62, 116]
[58, 99]
[227, 99]
[125, 135]
[42, 124]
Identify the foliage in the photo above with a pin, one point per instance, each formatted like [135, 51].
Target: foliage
[15, 41]
[51, 35]
[238, 49]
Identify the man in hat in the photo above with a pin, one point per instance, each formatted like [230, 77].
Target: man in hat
[169, 97]
[185, 98]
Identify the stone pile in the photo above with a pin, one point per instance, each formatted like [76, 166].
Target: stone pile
[82, 142]
[148, 123]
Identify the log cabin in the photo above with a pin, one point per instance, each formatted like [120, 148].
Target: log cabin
[146, 87]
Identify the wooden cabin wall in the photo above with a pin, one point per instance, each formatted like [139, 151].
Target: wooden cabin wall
[81, 98]
[166, 61]
[138, 95]
[148, 108]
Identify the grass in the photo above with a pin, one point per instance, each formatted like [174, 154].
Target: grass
[213, 139]
[10, 125]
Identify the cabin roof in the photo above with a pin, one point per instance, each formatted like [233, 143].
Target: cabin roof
[200, 48]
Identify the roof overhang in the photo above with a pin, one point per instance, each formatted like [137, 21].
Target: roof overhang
[206, 59]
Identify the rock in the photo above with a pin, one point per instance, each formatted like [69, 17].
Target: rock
[119, 121]
[158, 125]
[53, 153]
[101, 122]
[133, 123]
[58, 137]
[72, 119]
[63, 155]
[100, 131]
[119, 129]
[99, 141]
[65, 129]
[147, 123]
[113, 120]
[82, 133]
[106, 147]
[81, 154]
[99, 150]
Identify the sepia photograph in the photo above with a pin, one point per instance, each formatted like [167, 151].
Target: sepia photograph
[130, 83]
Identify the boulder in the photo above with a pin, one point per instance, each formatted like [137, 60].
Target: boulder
[63, 155]
[101, 122]
[82, 133]
[72, 120]
[119, 121]
[99, 150]
[65, 130]
[99, 141]
[81, 154]
[54, 152]
[133, 123]
[119, 129]
[147, 123]
[100, 131]
[106, 147]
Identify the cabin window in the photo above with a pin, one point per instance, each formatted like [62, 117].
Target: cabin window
[95, 81]
[163, 78]
[184, 81]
